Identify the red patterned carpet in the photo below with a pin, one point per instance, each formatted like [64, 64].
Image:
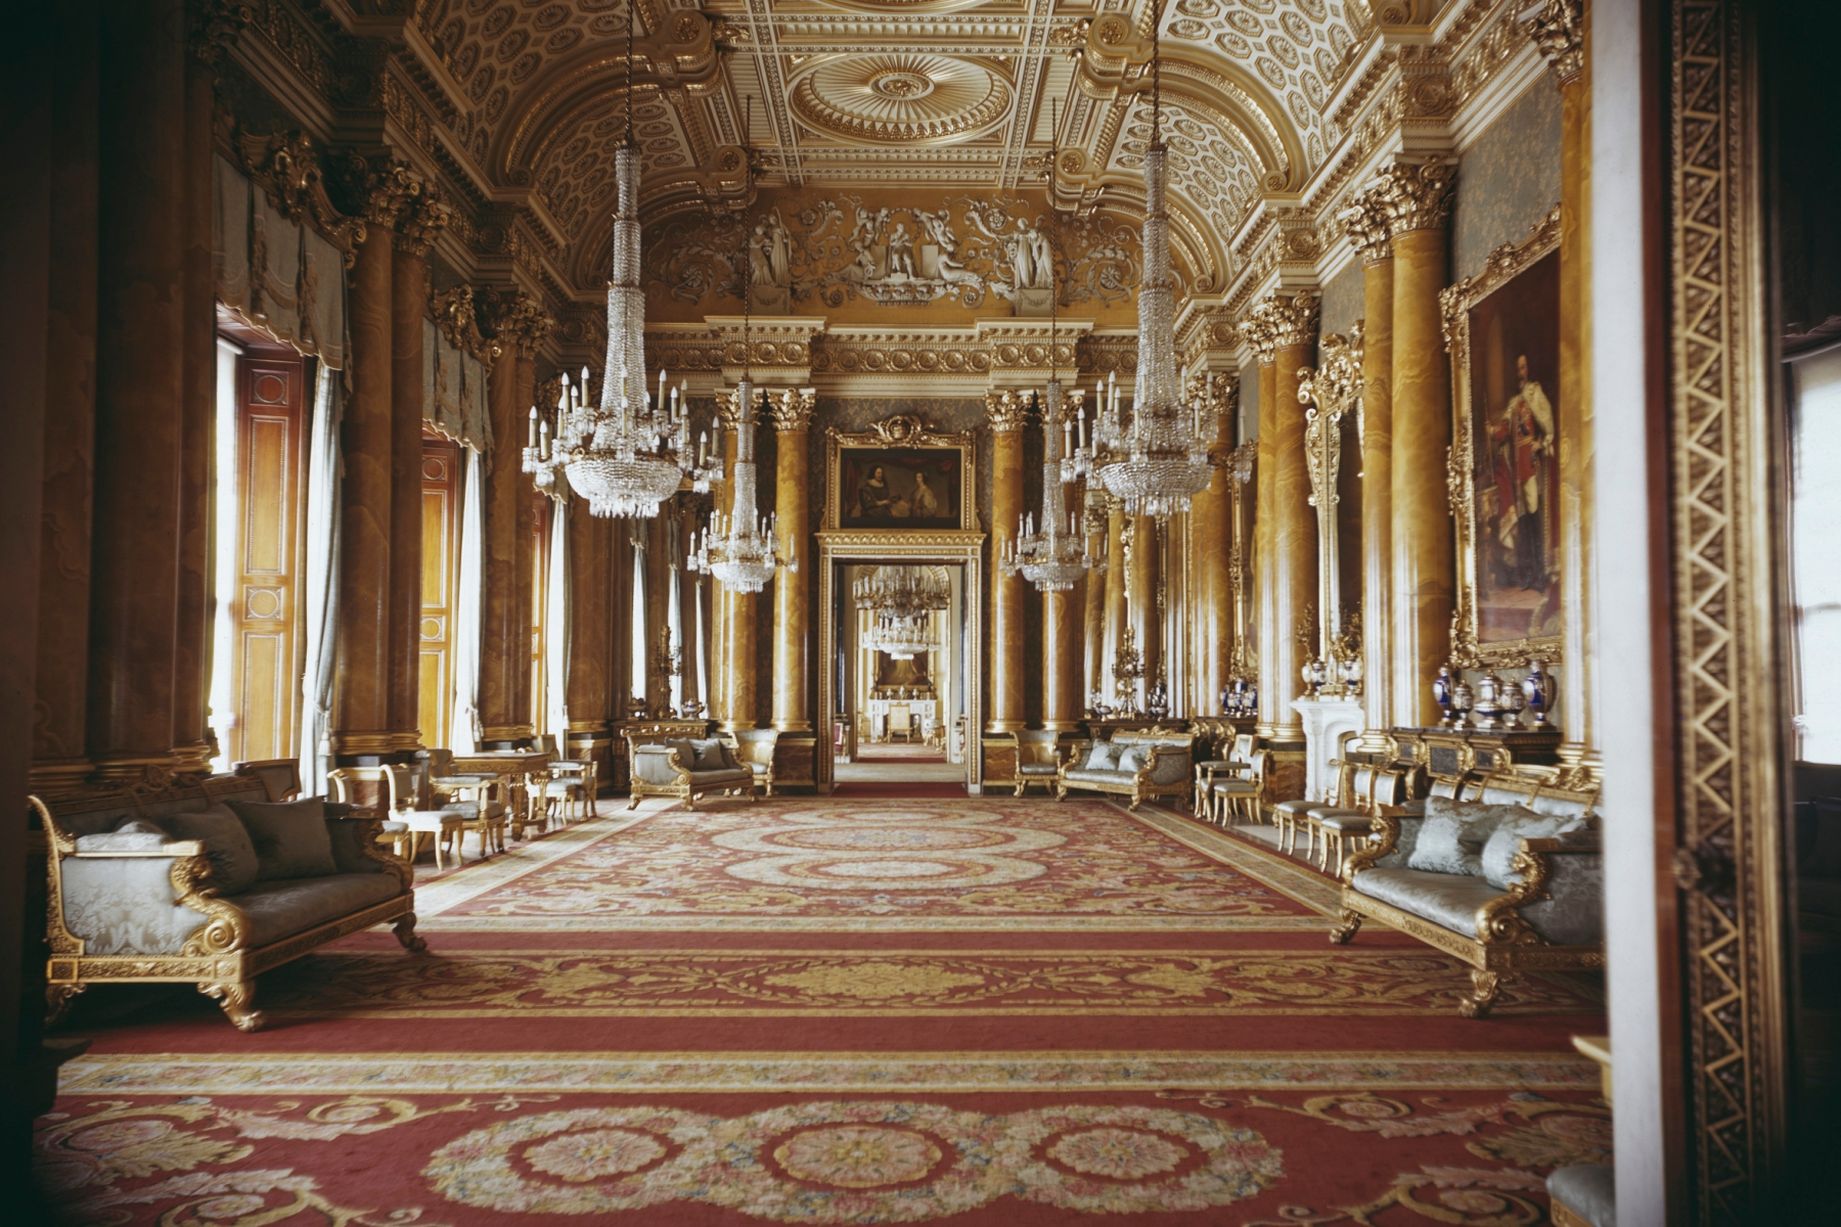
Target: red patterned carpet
[875, 1010]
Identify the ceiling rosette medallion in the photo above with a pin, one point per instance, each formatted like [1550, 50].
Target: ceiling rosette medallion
[901, 99]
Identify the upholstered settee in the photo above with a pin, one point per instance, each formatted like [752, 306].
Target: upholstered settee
[687, 769]
[209, 882]
[1140, 764]
[1510, 882]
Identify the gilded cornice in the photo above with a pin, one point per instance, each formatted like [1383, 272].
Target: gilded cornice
[1006, 410]
[1558, 29]
[1416, 194]
[515, 318]
[1280, 320]
[791, 409]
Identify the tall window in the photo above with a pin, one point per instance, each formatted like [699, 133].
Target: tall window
[258, 494]
[1815, 510]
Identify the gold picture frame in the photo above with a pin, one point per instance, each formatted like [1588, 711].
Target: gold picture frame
[911, 450]
[1502, 331]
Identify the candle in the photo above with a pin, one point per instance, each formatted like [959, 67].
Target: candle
[532, 442]
[1081, 422]
[661, 387]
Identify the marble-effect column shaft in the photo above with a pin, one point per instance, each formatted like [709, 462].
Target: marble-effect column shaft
[1377, 490]
[1008, 627]
[409, 300]
[140, 387]
[504, 638]
[361, 684]
[792, 419]
[1578, 576]
[1422, 541]
[1294, 554]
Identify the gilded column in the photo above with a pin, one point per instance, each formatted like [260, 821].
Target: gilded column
[1417, 200]
[361, 709]
[1242, 659]
[140, 387]
[1367, 226]
[66, 507]
[524, 539]
[742, 689]
[1062, 616]
[1093, 590]
[1559, 30]
[1007, 608]
[1118, 567]
[1211, 543]
[518, 325]
[792, 423]
[418, 224]
[1145, 581]
[1283, 330]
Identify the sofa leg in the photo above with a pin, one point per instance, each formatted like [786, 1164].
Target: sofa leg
[57, 1001]
[234, 996]
[1344, 928]
[634, 803]
[405, 928]
[1485, 986]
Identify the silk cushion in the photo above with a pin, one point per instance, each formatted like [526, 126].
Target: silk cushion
[1454, 833]
[1104, 756]
[1505, 841]
[290, 839]
[234, 863]
[1130, 760]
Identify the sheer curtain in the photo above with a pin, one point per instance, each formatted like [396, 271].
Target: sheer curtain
[464, 736]
[320, 602]
[556, 629]
[636, 645]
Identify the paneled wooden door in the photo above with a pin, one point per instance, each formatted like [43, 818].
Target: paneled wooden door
[443, 472]
[270, 459]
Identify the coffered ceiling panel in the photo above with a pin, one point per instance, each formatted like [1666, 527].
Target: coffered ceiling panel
[947, 94]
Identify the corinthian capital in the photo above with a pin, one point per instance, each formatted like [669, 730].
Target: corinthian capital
[421, 220]
[1281, 319]
[1006, 409]
[791, 409]
[515, 318]
[1365, 222]
[1558, 29]
[380, 188]
[1415, 195]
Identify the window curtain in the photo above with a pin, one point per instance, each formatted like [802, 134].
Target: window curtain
[636, 646]
[556, 630]
[464, 736]
[321, 598]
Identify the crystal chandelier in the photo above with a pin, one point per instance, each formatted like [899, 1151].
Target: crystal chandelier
[1055, 555]
[742, 549]
[1158, 461]
[902, 602]
[627, 454]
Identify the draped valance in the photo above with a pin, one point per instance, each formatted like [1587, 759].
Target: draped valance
[454, 391]
[275, 273]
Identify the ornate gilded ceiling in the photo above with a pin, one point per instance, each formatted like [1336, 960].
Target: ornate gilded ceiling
[518, 105]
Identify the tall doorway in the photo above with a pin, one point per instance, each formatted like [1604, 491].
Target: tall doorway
[901, 718]
[900, 709]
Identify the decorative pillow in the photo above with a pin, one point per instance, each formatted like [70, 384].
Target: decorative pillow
[291, 840]
[1131, 759]
[1505, 841]
[687, 753]
[227, 844]
[130, 835]
[1104, 756]
[1452, 836]
[708, 752]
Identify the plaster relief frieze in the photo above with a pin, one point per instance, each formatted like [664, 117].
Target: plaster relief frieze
[881, 251]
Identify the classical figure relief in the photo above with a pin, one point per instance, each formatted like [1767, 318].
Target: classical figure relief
[836, 249]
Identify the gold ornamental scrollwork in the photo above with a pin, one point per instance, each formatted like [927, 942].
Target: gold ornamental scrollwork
[1279, 320]
[516, 319]
[1416, 194]
[1558, 29]
[287, 167]
[1504, 265]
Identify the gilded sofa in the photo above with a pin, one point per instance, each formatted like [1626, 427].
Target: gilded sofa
[136, 895]
[1512, 881]
[688, 768]
[1141, 764]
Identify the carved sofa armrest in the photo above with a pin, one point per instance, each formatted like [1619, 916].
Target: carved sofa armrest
[1558, 893]
[140, 902]
[1165, 765]
[658, 764]
[1390, 841]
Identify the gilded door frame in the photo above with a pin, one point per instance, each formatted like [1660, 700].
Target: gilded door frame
[1722, 545]
[867, 545]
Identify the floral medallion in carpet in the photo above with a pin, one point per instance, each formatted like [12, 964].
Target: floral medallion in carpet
[980, 1012]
